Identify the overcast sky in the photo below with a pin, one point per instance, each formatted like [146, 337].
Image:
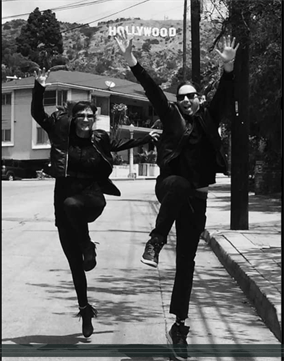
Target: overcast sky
[91, 10]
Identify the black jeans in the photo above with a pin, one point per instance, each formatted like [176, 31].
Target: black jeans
[77, 202]
[187, 208]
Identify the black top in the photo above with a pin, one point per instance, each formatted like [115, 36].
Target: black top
[83, 157]
[194, 161]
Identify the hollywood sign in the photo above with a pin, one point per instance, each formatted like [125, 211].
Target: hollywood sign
[142, 30]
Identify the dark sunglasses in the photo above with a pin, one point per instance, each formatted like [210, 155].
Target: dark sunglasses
[189, 96]
[82, 117]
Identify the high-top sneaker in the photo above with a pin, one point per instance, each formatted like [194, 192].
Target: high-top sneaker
[89, 257]
[177, 338]
[152, 250]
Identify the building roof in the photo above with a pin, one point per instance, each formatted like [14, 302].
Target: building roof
[76, 79]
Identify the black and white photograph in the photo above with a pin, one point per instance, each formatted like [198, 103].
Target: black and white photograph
[141, 180]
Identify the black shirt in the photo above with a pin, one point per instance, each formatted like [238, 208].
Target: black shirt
[83, 157]
[196, 156]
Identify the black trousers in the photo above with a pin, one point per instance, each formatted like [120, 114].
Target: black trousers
[77, 202]
[187, 208]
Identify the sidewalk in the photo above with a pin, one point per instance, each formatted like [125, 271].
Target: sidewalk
[252, 257]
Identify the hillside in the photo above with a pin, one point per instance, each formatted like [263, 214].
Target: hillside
[92, 49]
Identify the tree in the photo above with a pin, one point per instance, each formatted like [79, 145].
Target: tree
[265, 87]
[118, 117]
[266, 70]
[146, 46]
[40, 39]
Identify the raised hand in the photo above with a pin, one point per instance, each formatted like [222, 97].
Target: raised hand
[125, 46]
[154, 135]
[41, 76]
[229, 52]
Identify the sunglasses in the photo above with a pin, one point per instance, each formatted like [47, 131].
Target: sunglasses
[82, 117]
[189, 96]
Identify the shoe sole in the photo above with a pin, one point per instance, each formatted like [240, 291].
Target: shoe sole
[149, 263]
[177, 357]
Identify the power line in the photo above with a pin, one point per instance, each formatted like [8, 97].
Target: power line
[107, 16]
[60, 8]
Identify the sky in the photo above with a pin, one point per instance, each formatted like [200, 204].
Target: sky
[86, 11]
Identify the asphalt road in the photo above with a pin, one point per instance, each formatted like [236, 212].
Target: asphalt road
[39, 302]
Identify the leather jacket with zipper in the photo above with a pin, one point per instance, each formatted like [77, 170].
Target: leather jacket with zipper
[174, 124]
[57, 126]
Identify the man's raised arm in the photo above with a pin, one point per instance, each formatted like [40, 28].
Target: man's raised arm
[153, 92]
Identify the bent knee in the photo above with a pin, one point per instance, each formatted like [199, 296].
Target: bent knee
[179, 185]
[72, 204]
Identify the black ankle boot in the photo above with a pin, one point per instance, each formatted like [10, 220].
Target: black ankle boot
[87, 313]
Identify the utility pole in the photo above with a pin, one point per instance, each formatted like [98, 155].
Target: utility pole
[240, 123]
[195, 40]
[184, 40]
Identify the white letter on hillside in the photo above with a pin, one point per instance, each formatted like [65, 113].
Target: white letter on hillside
[132, 30]
[120, 29]
[112, 30]
[163, 32]
[147, 31]
[172, 31]
[155, 32]
[139, 30]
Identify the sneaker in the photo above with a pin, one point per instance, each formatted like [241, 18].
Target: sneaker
[152, 250]
[177, 338]
[87, 313]
[89, 257]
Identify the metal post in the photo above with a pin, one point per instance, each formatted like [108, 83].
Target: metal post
[240, 123]
[184, 39]
[131, 165]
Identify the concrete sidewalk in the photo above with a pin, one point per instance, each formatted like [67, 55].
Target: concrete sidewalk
[252, 257]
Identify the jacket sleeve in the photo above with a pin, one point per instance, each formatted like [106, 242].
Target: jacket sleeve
[222, 101]
[37, 109]
[118, 145]
[153, 92]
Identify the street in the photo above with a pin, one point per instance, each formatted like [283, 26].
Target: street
[39, 301]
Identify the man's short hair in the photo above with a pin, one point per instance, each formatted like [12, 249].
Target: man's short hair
[187, 82]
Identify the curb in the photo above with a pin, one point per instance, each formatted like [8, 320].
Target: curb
[255, 294]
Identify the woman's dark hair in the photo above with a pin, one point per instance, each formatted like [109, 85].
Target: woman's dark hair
[81, 105]
[75, 107]
[186, 82]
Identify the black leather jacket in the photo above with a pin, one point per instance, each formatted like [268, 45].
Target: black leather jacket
[174, 124]
[57, 126]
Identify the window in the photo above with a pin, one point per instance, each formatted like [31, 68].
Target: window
[42, 137]
[6, 135]
[6, 99]
[135, 114]
[151, 111]
[49, 97]
[55, 97]
[102, 103]
[61, 97]
[6, 121]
